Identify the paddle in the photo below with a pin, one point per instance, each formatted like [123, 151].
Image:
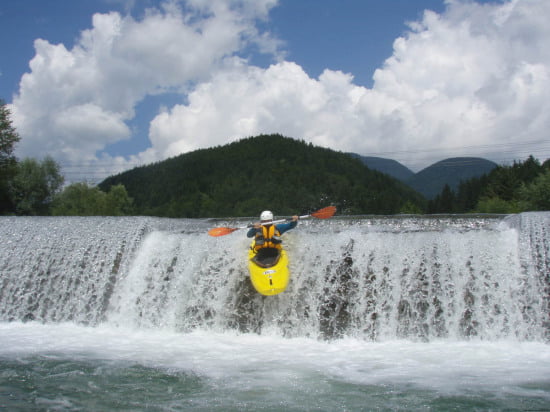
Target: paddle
[323, 213]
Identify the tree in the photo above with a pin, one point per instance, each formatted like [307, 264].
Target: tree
[409, 208]
[537, 194]
[447, 199]
[506, 189]
[80, 199]
[34, 185]
[118, 203]
[498, 205]
[444, 202]
[8, 162]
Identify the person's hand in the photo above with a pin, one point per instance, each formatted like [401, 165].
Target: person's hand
[257, 225]
[295, 218]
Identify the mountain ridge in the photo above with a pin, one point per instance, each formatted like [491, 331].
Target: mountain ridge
[388, 166]
[431, 180]
[263, 172]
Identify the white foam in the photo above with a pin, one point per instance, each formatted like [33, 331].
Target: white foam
[248, 360]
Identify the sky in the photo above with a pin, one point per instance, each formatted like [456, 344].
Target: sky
[105, 85]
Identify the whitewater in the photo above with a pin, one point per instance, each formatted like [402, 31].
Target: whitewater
[382, 313]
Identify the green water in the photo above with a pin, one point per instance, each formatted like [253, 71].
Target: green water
[46, 384]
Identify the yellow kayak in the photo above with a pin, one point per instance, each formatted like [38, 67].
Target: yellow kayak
[268, 270]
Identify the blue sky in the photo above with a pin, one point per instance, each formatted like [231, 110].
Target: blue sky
[103, 85]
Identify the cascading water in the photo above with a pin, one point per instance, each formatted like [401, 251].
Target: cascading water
[63, 269]
[370, 278]
[381, 313]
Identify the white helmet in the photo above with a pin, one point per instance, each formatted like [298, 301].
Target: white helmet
[266, 215]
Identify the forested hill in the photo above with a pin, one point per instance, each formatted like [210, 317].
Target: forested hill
[431, 180]
[264, 172]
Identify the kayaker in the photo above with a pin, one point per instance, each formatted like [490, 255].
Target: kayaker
[268, 235]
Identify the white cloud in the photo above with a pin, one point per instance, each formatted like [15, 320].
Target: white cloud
[473, 80]
[74, 102]
[477, 75]
[238, 102]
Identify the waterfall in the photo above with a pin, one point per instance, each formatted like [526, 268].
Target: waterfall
[373, 278]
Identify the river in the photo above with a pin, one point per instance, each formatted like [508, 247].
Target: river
[381, 313]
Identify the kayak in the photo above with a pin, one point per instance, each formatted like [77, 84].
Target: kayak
[268, 270]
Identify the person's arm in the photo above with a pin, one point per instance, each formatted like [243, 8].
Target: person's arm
[253, 230]
[284, 227]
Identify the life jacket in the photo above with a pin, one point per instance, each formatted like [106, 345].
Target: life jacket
[268, 237]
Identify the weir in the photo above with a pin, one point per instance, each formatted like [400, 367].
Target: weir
[375, 278]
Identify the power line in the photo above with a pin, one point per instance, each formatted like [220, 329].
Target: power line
[93, 169]
[394, 156]
[483, 146]
[540, 149]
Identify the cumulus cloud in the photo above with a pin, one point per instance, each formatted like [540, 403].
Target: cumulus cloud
[473, 80]
[74, 102]
[475, 75]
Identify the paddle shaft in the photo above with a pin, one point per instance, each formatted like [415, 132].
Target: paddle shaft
[323, 213]
[274, 222]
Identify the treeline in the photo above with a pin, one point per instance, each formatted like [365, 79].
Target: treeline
[523, 186]
[35, 187]
[242, 178]
[264, 172]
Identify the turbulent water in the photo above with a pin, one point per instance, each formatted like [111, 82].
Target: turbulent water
[397, 313]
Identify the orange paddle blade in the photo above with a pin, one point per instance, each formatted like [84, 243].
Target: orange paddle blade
[221, 231]
[325, 212]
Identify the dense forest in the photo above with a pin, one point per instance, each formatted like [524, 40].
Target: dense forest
[291, 176]
[263, 172]
[523, 186]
